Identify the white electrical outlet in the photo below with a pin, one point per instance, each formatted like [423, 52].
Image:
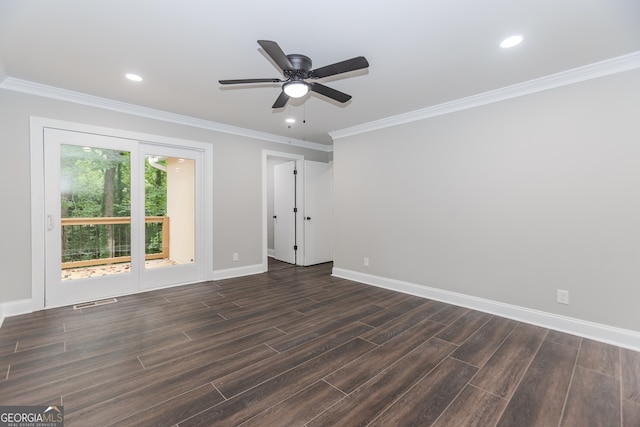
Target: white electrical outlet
[366, 262]
[235, 256]
[563, 297]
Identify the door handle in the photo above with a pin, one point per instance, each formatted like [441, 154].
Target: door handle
[50, 222]
[308, 218]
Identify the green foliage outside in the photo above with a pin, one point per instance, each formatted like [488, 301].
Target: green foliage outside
[97, 183]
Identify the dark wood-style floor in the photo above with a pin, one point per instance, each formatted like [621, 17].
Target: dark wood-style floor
[296, 347]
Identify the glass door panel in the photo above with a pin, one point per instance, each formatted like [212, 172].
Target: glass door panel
[89, 189]
[169, 211]
[95, 211]
[171, 202]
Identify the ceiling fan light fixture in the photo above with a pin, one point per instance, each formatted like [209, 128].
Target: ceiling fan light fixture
[296, 69]
[296, 88]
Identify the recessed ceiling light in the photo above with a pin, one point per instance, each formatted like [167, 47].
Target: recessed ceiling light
[133, 77]
[511, 41]
[290, 120]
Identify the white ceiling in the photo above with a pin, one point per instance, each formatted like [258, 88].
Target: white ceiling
[421, 52]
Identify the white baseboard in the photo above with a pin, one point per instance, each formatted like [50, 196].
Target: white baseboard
[15, 308]
[271, 253]
[230, 273]
[596, 331]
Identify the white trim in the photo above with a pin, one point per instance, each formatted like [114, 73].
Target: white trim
[36, 136]
[596, 331]
[15, 308]
[207, 201]
[38, 89]
[616, 65]
[230, 273]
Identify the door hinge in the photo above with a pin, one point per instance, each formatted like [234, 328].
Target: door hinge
[295, 247]
[295, 210]
[295, 171]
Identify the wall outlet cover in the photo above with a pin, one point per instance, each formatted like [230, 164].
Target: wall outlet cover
[563, 296]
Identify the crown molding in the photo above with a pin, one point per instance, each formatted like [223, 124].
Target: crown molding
[611, 66]
[38, 89]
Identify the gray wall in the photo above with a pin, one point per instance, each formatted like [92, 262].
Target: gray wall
[507, 202]
[237, 187]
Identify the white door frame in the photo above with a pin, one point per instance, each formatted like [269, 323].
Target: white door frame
[299, 159]
[38, 214]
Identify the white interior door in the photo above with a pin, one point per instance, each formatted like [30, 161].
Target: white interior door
[318, 213]
[90, 181]
[284, 217]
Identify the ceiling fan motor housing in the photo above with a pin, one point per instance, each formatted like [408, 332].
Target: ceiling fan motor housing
[301, 66]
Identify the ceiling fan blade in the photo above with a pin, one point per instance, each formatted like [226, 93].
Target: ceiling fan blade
[340, 67]
[281, 101]
[329, 92]
[278, 56]
[241, 81]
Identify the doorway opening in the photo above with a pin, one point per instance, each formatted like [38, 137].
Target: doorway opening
[283, 237]
[297, 211]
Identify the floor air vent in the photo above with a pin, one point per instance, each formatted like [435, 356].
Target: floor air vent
[94, 303]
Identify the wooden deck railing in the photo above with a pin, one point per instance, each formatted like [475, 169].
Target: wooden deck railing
[163, 220]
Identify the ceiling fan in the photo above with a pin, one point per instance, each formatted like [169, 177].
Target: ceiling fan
[297, 69]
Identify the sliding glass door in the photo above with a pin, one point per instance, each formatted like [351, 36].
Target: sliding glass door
[121, 216]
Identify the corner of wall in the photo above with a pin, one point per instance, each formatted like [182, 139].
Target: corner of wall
[15, 308]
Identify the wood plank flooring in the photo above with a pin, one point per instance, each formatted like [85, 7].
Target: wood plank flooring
[297, 347]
